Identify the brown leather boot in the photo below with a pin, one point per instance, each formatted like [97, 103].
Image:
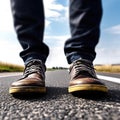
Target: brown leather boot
[83, 78]
[33, 80]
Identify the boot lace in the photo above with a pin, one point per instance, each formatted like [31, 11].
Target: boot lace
[82, 67]
[34, 66]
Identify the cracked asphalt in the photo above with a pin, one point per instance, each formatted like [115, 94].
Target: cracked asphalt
[58, 104]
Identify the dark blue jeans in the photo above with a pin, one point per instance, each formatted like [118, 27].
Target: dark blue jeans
[85, 17]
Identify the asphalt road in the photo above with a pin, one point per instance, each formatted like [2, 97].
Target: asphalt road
[58, 104]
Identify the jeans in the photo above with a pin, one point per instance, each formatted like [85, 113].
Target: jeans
[85, 17]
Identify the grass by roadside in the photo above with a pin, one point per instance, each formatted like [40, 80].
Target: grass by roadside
[6, 67]
[108, 68]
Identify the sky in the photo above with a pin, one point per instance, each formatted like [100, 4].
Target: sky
[57, 31]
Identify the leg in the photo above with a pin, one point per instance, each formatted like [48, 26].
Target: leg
[28, 18]
[85, 16]
[29, 24]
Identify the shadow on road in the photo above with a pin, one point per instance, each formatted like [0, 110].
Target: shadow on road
[56, 93]
[52, 93]
[113, 96]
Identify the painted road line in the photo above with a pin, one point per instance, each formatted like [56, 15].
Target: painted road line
[8, 74]
[112, 79]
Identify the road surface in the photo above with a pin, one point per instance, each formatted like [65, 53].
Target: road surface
[58, 104]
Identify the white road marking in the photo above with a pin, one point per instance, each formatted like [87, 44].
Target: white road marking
[112, 79]
[10, 74]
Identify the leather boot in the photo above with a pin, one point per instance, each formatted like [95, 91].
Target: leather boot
[83, 78]
[32, 81]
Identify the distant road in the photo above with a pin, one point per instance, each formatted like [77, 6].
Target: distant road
[8, 74]
[58, 104]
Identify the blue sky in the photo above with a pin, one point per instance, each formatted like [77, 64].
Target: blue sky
[57, 31]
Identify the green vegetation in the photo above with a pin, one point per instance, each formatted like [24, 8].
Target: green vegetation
[108, 68]
[5, 67]
[56, 68]
[59, 68]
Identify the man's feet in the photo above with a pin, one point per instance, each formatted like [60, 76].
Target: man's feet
[33, 80]
[83, 79]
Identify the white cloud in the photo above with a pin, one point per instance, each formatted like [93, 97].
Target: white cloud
[55, 11]
[9, 52]
[9, 46]
[114, 29]
[107, 55]
[52, 8]
[6, 21]
[58, 38]
[47, 23]
[57, 56]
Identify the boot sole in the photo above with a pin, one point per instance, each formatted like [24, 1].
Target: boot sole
[27, 90]
[88, 87]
